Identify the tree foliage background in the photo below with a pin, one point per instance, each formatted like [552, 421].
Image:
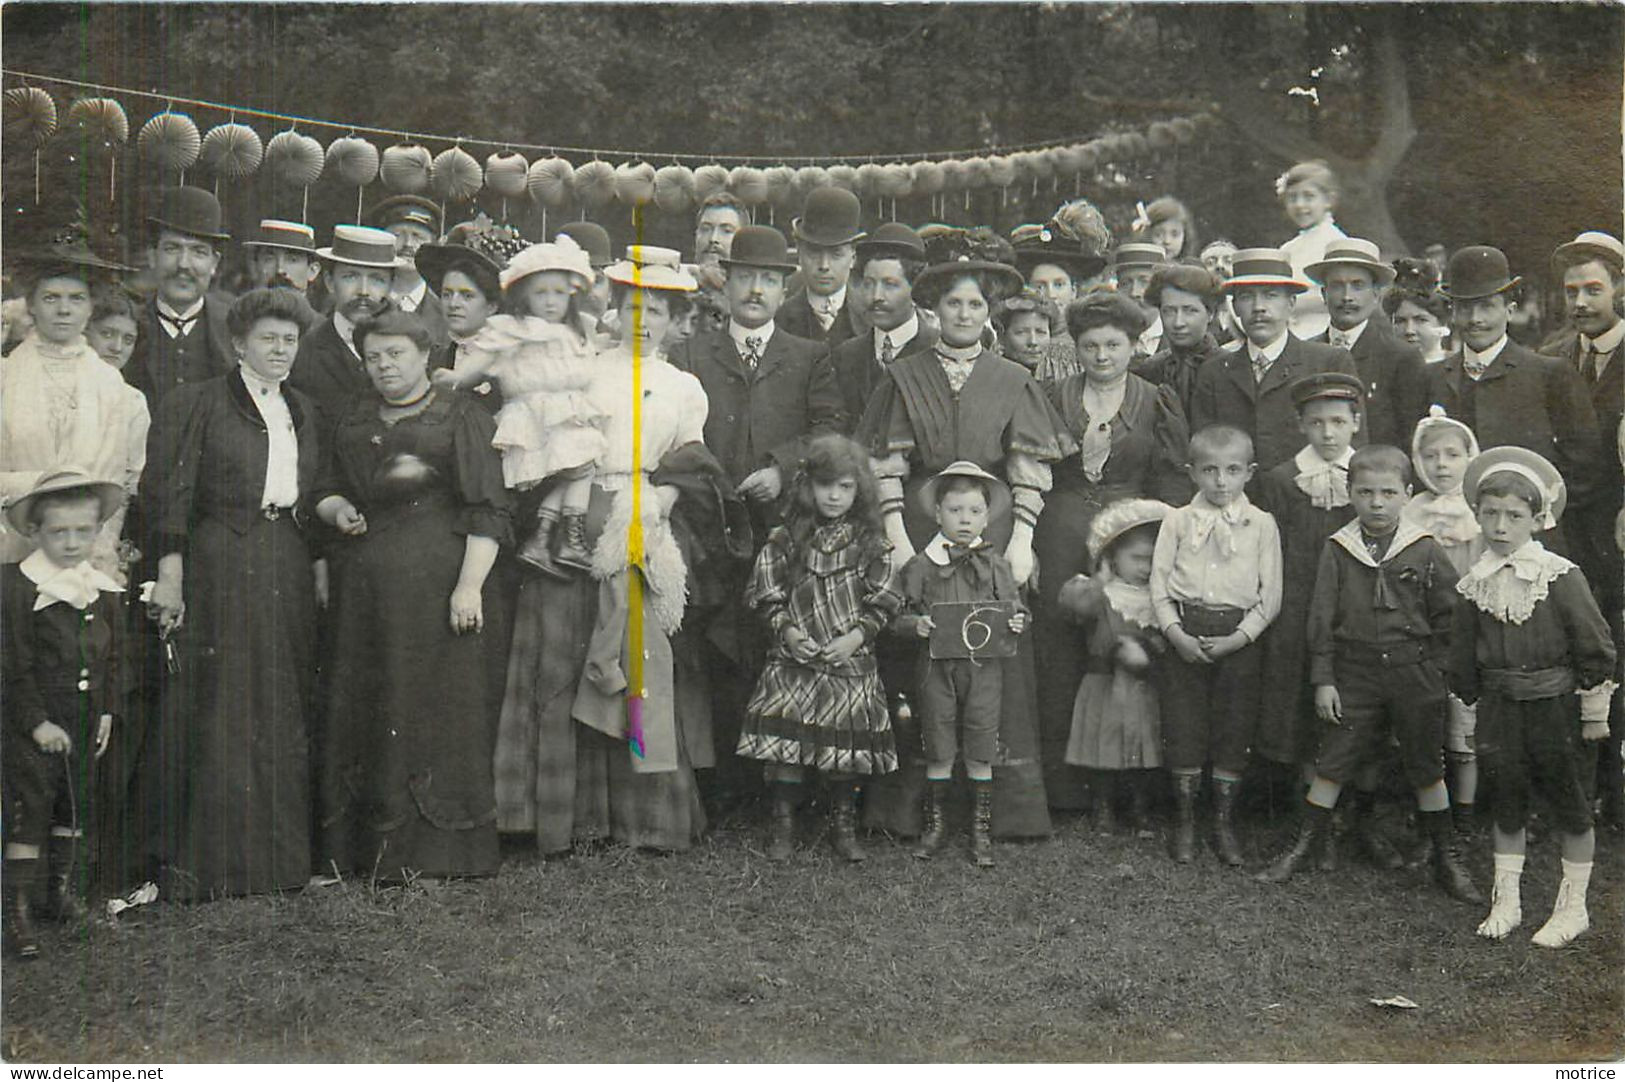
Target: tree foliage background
[1460, 123]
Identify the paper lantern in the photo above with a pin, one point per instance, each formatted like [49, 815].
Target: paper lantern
[844, 176]
[781, 185]
[1205, 121]
[353, 161]
[977, 172]
[30, 116]
[1161, 136]
[749, 185]
[867, 181]
[708, 181]
[505, 173]
[635, 183]
[595, 183]
[809, 178]
[1136, 145]
[1184, 129]
[102, 120]
[928, 178]
[953, 175]
[454, 175]
[1088, 156]
[896, 181]
[406, 168]
[1101, 150]
[295, 159]
[549, 182]
[231, 151]
[1001, 171]
[171, 140]
[674, 188]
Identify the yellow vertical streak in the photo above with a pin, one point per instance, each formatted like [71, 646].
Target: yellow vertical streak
[634, 541]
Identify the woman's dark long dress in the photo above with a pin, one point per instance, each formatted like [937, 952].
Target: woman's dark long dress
[406, 780]
[1148, 440]
[228, 778]
[998, 412]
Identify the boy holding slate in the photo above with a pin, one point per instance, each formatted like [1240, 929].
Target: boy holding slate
[960, 594]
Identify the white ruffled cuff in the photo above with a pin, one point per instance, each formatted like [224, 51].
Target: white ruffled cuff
[1594, 702]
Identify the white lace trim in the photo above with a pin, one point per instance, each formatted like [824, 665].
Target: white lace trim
[1509, 587]
[1132, 603]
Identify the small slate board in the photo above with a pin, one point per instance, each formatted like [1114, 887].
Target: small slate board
[978, 630]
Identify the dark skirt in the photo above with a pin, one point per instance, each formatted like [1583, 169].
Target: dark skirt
[231, 762]
[561, 779]
[406, 780]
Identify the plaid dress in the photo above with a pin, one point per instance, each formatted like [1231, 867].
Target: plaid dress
[830, 716]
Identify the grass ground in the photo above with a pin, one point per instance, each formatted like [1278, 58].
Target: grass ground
[1081, 948]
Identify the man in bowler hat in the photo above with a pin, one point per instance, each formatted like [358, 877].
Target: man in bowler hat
[888, 261]
[826, 237]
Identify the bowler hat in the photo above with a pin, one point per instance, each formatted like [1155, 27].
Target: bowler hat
[759, 246]
[830, 216]
[1262, 267]
[998, 493]
[68, 478]
[1352, 252]
[1526, 464]
[413, 209]
[592, 238]
[359, 246]
[276, 233]
[189, 210]
[1337, 386]
[892, 240]
[1477, 271]
[1592, 244]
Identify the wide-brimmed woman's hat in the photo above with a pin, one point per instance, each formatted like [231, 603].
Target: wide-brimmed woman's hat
[759, 246]
[1477, 271]
[830, 216]
[563, 255]
[276, 233]
[1036, 244]
[1592, 244]
[362, 246]
[954, 251]
[188, 210]
[1352, 252]
[1118, 518]
[1262, 267]
[479, 241]
[68, 248]
[648, 267]
[998, 493]
[109, 494]
[1526, 464]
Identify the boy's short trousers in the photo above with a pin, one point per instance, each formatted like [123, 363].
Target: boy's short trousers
[39, 793]
[960, 696]
[1209, 710]
[1406, 700]
[1461, 721]
[1533, 745]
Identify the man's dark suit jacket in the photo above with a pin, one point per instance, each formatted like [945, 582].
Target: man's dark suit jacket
[858, 371]
[1225, 393]
[796, 316]
[1395, 378]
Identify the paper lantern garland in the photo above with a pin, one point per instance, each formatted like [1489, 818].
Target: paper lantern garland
[30, 116]
[103, 121]
[549, 182]
[455, 176]
[708, 181]
[171, 141]
[748, 184]
[352, 161]
[294, 159]
[406, 168]
[505, 173]
[231, 151]
[635, 183]
[595, 184]
[674, 188]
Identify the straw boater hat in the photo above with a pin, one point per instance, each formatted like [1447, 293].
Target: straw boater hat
[1262, 267]
[360, 246]
[1352, 252]
[276, 233]
[110, 495]
[1476, 272]
[1138, 254]
[188, 210]
[830, 216]
[1118, 519]
[563, 255]
[759, 246]
[648, 267]
[1592, 244]
[998, 493]
[1526, 464]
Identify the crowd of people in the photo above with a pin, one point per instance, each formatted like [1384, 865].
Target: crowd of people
[431, 536]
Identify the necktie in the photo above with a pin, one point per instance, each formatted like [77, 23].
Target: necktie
[1591, 364]
[1341, 340]
[1261, 366]
[888, 352]
[1472, 364]
[825, 314]
[753, 351]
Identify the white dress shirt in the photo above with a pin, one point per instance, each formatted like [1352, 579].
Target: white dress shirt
[901, 336]
[1474, 363]
[1603, 345]
[826, 308]
[346, 331]
[1346, 339]
[282, 461]
[412, 298]
[739, 333]
[1263, 357]
[192, 314]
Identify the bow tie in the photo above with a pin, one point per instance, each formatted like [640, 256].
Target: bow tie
[1326, 484]
[1342, 340]
[182, 324]
[76, 586]
[1219, 523]
[753, 350]
[977, 556]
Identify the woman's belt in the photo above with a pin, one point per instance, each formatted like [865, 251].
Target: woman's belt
[1524, 685]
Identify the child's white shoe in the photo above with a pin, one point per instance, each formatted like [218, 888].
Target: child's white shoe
[1569, 917]
[1506, 909]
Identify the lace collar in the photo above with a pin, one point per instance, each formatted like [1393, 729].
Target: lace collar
[1509, 587]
